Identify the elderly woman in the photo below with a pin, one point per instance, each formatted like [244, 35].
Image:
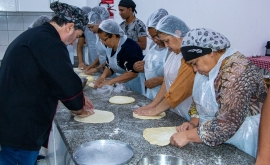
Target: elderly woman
[122, 53]
[153, 63]
[96, 16]
[175, 91]
[228, 94]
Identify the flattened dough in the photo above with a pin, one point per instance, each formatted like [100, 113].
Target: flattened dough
[90, 78]
[121, 100]
[149, 117]
[83, 75]
[91, 84]
[98, 117]
[159, 136]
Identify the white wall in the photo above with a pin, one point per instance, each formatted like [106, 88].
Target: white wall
[245, 23]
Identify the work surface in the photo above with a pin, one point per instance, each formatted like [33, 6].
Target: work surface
[129, 130]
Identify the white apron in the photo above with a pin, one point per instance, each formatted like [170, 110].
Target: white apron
[171, 68]
[101, 51]
[134, 84]
[154, 67]
[204, 96]
[89, 52]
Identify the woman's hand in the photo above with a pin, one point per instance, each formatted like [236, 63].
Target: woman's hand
[90, 71]
[81, 65]
[106, 82]
[139, 66]
[179, 139]
[98, 82]
[146, 112]
[152, 82]
[185, 126]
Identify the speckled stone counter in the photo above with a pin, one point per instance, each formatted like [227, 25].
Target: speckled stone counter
[129, 130]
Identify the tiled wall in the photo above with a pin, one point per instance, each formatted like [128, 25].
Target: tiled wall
[14, 23]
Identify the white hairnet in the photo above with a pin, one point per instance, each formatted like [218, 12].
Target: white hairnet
[39, 21]
[112, 27]
[86, 9]
[173, 26]
[155, 17]
[97, 15]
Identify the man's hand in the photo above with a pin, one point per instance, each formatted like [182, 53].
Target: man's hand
[88, 109]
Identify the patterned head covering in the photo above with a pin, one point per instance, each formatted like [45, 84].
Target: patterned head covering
[70, 14]
[128, 4]
[173, 26]
[155, 17]
[97, 15]
[201, 41]
[112, 27]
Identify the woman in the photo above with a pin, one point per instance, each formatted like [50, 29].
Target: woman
[175, 91]
[86, 45]
[228, 93]
[96, 16]
[153, 63]
[264, 134]
[122, 53]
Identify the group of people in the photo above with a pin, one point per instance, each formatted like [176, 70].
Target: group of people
[194, 73]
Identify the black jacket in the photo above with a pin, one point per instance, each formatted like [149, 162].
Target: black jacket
[35, 73]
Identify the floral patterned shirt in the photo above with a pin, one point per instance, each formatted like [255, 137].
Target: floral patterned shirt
[240, 92]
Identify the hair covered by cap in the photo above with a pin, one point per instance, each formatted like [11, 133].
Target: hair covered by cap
[71, 14]
[39, 21]
[128, 4]
[199, 42]
[206, 38]
[112, 27]
[173, 26]
[97, 15]
[155, 17]
[86, 9]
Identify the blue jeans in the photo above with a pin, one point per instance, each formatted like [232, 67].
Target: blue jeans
[14, 156]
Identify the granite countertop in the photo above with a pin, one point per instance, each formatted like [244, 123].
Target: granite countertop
[129, 130]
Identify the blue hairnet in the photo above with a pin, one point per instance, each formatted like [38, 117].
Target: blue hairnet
[86, 9]
[97, 15]
[173, 26]
[155, 17]
[112, 27]
[39, 21]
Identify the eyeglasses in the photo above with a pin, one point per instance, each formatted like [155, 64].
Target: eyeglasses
[153, 37]
[103, 40]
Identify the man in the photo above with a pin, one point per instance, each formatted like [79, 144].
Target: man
[35, 73]
[132, 26]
